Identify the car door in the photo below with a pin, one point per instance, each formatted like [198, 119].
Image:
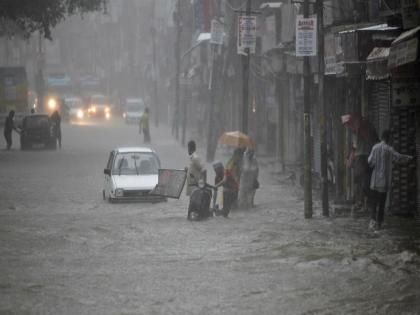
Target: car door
[108, 178]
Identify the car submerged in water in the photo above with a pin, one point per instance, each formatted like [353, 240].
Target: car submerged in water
[37, 132]
[131, 174]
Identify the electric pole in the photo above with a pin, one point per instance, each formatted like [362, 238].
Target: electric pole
[175, 122]
[245, 84]
[155, 70]
[321, 102]
[307, 129]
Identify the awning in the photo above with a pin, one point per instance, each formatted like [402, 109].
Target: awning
[364, 28]
[404, 49]
[377, 64]
[271, 5]
[406, 35]
[378, 53]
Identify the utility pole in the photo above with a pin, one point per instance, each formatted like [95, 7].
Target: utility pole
[155, 70]
[321, 102]
[307, 129]
[40, 84]
[175, 123]
[245, 83]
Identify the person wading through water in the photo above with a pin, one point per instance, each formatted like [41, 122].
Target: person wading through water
[9, 126]
[230, 181]
[145, 126]
[381, 159]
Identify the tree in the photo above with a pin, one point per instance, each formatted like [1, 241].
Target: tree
[27, 16]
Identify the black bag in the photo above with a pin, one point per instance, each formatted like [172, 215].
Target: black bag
[256, 184]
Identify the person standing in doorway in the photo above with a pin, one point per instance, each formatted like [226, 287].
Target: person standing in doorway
[381, 159]
[366, 137]
[9, 126]
[144, 126]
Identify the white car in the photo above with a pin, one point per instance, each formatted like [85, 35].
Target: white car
[131, 174]
[134, 109]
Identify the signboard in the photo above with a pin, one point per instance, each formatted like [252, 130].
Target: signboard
[170, 183]
[329, 56]
[247, 33]
[306, 41]
[406, 93]
[217, 32]
[410, 13]
[403, 53]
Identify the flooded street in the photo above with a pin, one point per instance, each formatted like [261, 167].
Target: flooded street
[64, 250]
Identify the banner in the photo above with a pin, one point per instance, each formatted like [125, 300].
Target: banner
[247, 33]
[306, 32]
[170, 183]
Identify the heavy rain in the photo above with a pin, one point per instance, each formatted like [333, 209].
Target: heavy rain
[210, 157]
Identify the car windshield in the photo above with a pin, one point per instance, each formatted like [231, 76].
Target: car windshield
[74, 103]
[135, 107]
[98, 99]
[36, 121]
[135, 163]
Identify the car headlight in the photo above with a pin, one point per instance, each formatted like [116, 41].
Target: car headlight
[80, 114]
[93, 109]
[119, 192]
[124, 115]
[52, 104]
[107, 115]
[107, 109]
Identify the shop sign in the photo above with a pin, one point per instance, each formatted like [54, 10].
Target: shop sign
[247, 33]
[330, 58]
[406, 93]
[403, 53]
[306, 41]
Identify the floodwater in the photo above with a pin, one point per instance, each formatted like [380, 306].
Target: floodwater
[64, 250]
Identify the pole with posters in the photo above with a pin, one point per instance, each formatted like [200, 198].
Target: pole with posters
[246, 60]
[321, 101]
[155, 72]
[306, 47]
[175, 119]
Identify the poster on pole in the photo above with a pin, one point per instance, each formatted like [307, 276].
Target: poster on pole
[217, 32]
[247, 34]
[306, 33]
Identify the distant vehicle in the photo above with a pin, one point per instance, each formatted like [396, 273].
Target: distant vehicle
[13, 92]
[131, 174]
[99, 107]
[134, 108]
[37, 133]
[75, 108]
[58, 85]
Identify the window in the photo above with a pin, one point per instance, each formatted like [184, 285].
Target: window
[135, 163]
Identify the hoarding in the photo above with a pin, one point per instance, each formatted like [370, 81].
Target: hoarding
[306, 32]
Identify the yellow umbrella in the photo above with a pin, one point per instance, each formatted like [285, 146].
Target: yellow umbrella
[236, 139]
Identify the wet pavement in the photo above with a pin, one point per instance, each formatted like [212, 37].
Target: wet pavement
[63, 250]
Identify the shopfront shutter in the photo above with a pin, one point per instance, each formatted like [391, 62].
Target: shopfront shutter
[379, 105]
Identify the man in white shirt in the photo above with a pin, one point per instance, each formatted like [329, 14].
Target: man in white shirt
[381, 159]
[196, 169]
